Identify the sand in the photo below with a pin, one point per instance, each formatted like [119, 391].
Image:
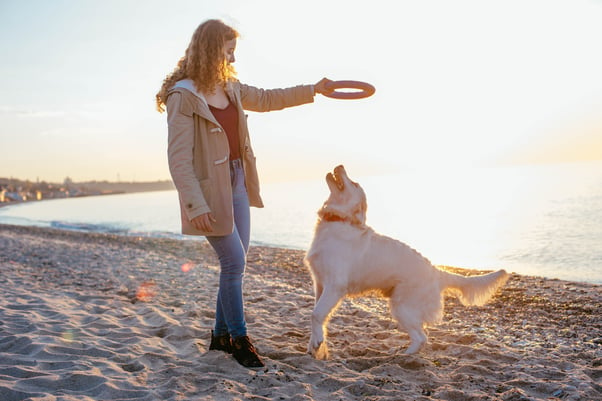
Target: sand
[103, 317]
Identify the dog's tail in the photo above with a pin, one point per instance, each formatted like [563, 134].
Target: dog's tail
[474, 290]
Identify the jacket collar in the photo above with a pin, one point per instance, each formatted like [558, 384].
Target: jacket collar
[231, 93]
[189, 85]
[204, 111]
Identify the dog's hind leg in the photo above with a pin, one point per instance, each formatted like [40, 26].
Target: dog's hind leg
[417, 340]
[326, 304]
[412, 324]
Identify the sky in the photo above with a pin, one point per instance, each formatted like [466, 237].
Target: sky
[458, 84]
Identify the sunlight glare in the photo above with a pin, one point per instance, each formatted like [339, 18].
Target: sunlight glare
[188, 266]
[146, 291]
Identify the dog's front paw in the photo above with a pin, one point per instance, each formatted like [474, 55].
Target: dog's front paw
[318, 349]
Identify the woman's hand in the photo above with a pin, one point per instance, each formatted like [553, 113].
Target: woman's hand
[203, 222]
[320, 86]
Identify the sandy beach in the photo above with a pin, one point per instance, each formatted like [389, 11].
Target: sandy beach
[102, 317]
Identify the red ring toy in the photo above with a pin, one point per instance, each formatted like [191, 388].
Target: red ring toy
[365, 89]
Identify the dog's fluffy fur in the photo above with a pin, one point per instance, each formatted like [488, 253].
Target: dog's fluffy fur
[346, 258]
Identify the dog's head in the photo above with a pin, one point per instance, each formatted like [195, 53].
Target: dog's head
[347, 200]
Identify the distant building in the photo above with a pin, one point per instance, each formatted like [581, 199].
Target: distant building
[15, 197]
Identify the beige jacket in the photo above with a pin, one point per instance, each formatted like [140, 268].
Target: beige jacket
[198, 149]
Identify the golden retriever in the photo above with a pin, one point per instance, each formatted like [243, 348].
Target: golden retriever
[347, 257]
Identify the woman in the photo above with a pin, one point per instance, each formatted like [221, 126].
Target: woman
[213, 167]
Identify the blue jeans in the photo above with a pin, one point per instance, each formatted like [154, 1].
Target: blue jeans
[232, 254]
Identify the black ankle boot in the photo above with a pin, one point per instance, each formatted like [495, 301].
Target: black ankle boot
[244, 352]
[221, 343]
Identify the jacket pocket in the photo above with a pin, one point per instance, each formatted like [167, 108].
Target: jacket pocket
[206, 189]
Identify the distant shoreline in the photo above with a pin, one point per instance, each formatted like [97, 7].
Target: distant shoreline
[14, 203]
[14, 191]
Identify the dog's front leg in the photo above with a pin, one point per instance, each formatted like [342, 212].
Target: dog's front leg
[327, 303]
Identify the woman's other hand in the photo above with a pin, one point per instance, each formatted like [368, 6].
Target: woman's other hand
[320, 86]
[203, 222]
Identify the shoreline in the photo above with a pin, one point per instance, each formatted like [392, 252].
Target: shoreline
[100, 316]
[85, 195]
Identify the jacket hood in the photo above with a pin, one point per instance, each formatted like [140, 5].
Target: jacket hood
[188, 84]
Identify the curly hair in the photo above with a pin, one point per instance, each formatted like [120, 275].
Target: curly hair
[204, 61]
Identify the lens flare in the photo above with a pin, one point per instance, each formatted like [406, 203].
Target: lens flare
[188, 266]
[147, 291]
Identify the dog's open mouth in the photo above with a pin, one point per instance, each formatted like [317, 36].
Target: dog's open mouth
[336, 178]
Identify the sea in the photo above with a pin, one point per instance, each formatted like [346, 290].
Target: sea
[543, 220]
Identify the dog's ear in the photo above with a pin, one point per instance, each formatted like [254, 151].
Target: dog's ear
[360, 212]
